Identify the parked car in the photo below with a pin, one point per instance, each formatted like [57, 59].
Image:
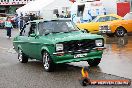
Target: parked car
[2, 22]
[119, 27]
[57, 41]
[93, 26]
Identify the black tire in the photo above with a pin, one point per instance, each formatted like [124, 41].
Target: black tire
[94, 62]
[120, 32]
[22, 57]
[47, 62]
[110, 34]
[85, 81]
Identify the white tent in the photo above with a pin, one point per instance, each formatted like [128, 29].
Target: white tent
[45, 7]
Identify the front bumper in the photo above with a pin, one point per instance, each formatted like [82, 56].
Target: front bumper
[104, 31]
[67, 57]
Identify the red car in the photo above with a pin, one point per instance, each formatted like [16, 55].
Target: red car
[2, 21]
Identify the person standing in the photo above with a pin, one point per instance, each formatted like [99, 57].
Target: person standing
[26, 18]
[8, 26]
[21, 21]
[16, 20]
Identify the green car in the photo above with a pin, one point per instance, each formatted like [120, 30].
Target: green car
[57, 41]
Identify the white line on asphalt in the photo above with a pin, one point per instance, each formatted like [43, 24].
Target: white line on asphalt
[3, 48]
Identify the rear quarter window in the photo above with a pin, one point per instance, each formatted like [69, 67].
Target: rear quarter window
[114, 18]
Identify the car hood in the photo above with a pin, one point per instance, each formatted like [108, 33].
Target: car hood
[78, 35]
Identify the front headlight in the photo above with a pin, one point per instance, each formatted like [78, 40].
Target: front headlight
[59, 47]
[99, 42]
[100, 27]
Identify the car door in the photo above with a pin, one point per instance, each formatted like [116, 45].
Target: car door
[34, 45]
[23, 39]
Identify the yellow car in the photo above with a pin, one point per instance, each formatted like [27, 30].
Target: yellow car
[93, 26]
[119, 27]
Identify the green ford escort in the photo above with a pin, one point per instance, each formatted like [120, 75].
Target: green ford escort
[57, 41]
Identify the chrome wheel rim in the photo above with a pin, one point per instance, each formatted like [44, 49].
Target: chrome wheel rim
[20, 55]
[46, 61]
[120, 32]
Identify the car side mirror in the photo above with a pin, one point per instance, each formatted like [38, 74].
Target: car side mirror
[32, 35]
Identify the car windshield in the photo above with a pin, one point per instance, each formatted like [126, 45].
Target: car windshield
[95, 19]
[128, 16]
[56, 27]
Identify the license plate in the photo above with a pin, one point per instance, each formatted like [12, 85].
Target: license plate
[104, 31]
[80, 55]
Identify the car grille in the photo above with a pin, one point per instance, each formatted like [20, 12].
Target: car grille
[79, 45]
[103, 27]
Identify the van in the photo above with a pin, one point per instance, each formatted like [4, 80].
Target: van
[86, 11]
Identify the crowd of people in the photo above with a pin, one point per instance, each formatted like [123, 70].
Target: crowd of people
[18, 22]
[63, 14]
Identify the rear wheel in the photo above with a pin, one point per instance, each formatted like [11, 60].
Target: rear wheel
[22, 57]
[47, 62]
[94, 62]
[120, 32]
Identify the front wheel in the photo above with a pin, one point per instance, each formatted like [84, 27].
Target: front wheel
[47, 62]
[94, 62]
[22, 57]
[120, 32]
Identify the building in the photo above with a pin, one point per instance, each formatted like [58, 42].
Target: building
[120, 7]
[112, 6]
[10, 6]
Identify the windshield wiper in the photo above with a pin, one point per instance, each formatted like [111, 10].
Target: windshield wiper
[60, 32]
[56, 32]
[52, 33]
[47, 34]
[72, 30]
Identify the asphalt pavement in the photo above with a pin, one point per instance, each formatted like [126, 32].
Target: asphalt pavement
[116, 64]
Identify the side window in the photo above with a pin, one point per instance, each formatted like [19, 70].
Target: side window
[25, 30]
[28, 29]
[33, 28]
[103, 19]
[41, 28]
[107, 18]
[113, 18]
